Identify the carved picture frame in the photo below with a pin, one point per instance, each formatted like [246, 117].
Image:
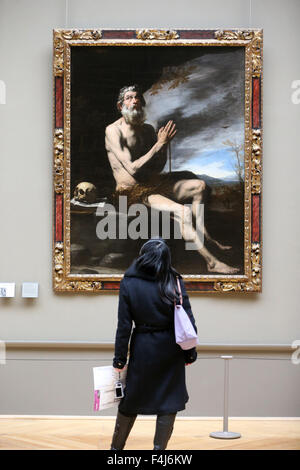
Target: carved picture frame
[251, 40]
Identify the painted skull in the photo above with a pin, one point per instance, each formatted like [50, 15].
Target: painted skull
[85, 192]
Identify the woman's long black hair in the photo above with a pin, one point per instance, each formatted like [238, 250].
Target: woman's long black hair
[155, 258]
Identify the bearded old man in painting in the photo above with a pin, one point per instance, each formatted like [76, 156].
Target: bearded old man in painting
[137, 156]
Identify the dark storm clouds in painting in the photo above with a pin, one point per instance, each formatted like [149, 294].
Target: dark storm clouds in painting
[205, 98]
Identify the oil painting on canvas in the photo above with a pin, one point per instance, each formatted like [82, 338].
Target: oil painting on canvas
[200, 93]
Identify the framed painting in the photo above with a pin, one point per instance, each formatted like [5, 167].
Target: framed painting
[158, 134]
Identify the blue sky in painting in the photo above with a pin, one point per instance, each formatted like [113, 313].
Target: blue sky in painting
[218, 164]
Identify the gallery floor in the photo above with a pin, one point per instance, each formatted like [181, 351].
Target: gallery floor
[84, 433]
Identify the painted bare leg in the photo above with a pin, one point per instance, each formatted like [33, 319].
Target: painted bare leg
[195, 188]
[190, 234]
[183, 216]
[206, 234]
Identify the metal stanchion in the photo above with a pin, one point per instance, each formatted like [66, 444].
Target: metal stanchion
[225, 434]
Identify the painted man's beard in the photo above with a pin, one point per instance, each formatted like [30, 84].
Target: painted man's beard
[135, 117]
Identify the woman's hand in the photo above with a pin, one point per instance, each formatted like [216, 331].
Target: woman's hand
[190, 355]
[120, 370]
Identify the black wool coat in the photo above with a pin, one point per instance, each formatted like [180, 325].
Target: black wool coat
[155, 382]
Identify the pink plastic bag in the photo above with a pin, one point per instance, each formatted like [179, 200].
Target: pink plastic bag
[185, 334]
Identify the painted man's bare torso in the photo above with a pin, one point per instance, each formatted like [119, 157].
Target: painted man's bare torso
[124, 145]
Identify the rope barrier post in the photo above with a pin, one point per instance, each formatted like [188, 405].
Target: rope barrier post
[225, 434]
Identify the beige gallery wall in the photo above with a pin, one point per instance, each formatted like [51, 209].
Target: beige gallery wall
[269, 318]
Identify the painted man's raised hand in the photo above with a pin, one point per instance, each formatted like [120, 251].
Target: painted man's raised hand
[166, 133]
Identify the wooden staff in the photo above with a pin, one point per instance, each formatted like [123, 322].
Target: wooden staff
[169, 152]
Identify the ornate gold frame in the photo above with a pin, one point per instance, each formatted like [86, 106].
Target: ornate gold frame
[252, 41]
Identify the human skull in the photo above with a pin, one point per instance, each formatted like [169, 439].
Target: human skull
[85, 192]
